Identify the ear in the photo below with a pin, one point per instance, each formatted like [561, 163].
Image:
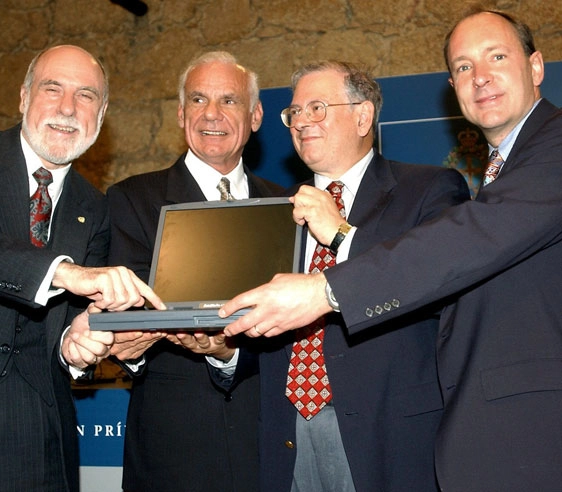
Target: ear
[451, 83]
[103, 110]
[23, 99]
[366, 115]
[537, 68]
[181, 116]
[257, 117]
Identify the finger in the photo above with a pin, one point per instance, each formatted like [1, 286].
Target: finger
[147, 293]
[106, 338]
[92, 308]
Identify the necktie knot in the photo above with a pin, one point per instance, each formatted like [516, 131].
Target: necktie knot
[335, 188]
[224, 189]
[43, 177]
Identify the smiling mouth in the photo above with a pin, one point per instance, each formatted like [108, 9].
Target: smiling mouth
[63, 129]
[486, 99]
[213, 133]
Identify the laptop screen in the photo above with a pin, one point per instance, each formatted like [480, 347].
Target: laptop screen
[208, 252]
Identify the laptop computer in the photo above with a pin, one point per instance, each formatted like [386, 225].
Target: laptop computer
[205, 254]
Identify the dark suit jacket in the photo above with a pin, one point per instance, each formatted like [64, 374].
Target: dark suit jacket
[500, 340]
[22, 268]
[183, 433]
[385, 388]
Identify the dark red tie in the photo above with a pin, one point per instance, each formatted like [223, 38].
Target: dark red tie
[308, 387]
[40, 206]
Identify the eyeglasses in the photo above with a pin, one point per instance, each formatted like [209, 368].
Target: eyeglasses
[314, 110]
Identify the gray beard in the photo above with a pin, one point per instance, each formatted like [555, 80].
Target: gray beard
[63, 157]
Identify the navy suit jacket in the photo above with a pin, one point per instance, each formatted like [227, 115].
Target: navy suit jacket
[80, 229]
[385, 389]
[498, 261]
[183, 432]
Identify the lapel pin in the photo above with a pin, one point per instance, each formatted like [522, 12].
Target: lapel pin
[81, 219]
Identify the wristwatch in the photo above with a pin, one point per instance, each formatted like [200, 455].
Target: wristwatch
[331, 298]
[343, 229]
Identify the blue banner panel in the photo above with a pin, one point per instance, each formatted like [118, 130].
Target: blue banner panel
[420, 122]
[101, 415]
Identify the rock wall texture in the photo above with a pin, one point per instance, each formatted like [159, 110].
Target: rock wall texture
[145, 55]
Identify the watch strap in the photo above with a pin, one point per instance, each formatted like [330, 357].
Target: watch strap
[343, 230]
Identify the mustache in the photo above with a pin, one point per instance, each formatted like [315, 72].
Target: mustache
[65, 121]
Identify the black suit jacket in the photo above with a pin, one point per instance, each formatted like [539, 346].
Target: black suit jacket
[500, 339]
[385, 389]
[183, 432]
[80, 229]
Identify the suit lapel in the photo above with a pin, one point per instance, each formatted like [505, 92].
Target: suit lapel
[70, 230]
[533, 124]
[181, 186]
[256, 189]
[373, 196]
[14, 201]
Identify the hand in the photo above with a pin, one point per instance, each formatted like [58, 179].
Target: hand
[80, 346]
[112, 288]
[289, 301]
[318, 210]
[216, 345]
[133, 344]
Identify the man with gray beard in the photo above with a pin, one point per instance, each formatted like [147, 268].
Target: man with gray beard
[54, 237]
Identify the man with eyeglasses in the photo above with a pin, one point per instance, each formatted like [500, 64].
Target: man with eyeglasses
[372, 426]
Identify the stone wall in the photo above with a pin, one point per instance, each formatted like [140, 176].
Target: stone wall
[144, 55]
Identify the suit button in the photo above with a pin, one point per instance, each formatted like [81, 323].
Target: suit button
[3, 373]
[289, 444]
[369, 312]
[5, 349]
[228, 397]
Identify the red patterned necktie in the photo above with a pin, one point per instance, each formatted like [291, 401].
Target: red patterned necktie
[495, 163]
[40, 206]
[308, 387]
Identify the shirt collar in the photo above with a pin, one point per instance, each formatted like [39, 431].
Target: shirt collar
[351, 180]
[207, 178]
[33, 162]
[507, 143]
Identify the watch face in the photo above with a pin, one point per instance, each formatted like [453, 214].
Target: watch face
[345, 228]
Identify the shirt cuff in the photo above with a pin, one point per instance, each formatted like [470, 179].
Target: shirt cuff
[135, 365]
[74, 371]
[227, 368]
[345, 246]
[44, 293]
